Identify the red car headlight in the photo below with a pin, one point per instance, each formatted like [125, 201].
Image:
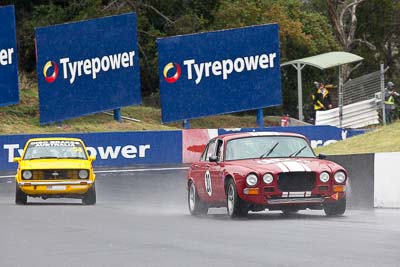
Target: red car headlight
[324, 177]
[268, 178]
[340, 177]
[251, 179]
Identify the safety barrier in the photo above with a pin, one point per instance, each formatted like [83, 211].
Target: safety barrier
[158, 147]
[373, 178]
[356, 115]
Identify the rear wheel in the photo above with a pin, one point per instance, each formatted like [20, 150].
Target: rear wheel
[90, 196]
[20, 197]
[196, 206]
[336, 208]
[235, 206]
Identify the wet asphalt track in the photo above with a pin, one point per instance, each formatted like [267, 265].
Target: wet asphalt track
[141, 219]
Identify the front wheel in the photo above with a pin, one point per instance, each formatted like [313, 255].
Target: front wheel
[336, 208]
[20, 197]
[196, 206]
[90, 196]
[235, 206]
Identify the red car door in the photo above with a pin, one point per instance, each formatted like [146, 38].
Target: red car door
[216, 175]
[201, 173]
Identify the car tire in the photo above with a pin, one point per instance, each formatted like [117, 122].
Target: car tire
[236, 207]
[90, 196]
[196, 206]
[20, 197]
[336, 208]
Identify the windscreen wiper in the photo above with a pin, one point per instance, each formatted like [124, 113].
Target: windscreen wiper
[266, 154]
[45, 158]
[294, 154]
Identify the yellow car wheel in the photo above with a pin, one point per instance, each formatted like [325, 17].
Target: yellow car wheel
[20, 197]
[90, 196]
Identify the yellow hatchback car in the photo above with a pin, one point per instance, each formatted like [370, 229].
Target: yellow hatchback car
[55, 168]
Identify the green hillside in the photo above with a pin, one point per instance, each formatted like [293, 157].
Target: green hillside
[380, 139]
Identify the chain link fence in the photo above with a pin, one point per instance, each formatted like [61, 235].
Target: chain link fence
[362, 88]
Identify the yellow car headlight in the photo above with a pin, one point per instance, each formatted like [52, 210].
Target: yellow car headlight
[83, 174]
[27, 175]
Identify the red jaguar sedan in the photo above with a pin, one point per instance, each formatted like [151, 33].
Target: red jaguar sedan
[264, 170]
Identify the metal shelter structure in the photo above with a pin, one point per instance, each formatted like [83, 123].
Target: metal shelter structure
[322, 61]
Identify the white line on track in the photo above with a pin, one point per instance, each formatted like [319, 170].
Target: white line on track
[116, 171]
[7, 176]
[143, 170]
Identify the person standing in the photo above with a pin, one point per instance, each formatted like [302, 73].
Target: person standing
[390, 107]
[321, 98]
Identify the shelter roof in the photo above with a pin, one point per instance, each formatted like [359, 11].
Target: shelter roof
[327, 60]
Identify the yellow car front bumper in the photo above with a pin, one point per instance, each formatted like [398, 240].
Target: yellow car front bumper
[55, 187]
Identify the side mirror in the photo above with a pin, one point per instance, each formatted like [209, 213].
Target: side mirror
[17, 159]
[92, 158]
[321, 156]
[213, 158]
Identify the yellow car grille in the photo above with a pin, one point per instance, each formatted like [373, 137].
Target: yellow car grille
[54, 174]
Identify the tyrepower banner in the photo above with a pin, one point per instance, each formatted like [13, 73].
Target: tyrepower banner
[194, 140]
[219, 72]
[8, 57]
[110, 149]
[87, 67]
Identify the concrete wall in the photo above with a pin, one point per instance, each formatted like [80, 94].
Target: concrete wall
[374, 179]
[360, 189]
[387, 180]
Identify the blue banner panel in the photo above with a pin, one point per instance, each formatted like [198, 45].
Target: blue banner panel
[111, 149]
[87, 67]
[9, 93]
[318, 135]
[219, 72]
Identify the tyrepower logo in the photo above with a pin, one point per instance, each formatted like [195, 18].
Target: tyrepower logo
[50, 78]
[198, 71]
[102, 152]
[6, 56]
[92, 67]
[177, 74]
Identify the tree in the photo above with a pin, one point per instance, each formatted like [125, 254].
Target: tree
[379, 21]
[342, 14]
[303, 32]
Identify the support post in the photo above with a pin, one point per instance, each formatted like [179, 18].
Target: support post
[117, 114]
[383, 93]
[186, 124]
[340, 97]
[299, 67]
[260, 118]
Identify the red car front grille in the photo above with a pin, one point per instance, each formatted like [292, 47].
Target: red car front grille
[296, 181]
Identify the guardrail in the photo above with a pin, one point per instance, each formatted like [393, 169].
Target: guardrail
[356, 115]
[158, 147]
[373, 178]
